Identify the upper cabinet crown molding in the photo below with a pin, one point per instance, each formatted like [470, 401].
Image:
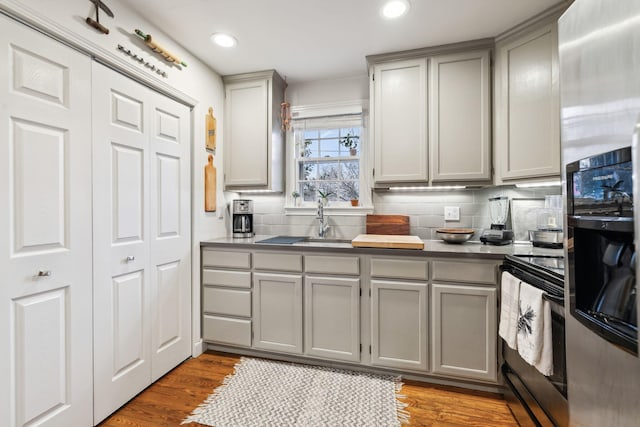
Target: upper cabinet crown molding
[253, 138]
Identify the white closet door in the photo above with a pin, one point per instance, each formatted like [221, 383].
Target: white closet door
[122, 330]
[45, 231]
[141, 205]
[169, 234]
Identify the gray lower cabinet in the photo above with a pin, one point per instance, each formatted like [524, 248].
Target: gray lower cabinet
[463, 331]
[332, 317]
[277, 312]
[226, 297]
[399, 336]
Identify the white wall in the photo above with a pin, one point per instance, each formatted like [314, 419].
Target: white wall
[204, 87]
[328, 91]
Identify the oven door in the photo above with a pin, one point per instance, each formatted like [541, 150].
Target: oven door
[537, 400]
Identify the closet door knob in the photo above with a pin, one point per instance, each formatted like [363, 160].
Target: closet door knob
[44, 273]
[130, 258]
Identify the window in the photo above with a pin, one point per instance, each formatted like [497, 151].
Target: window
[328, 162]
[327, 154]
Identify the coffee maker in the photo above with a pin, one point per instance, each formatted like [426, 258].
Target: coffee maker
[242, 218]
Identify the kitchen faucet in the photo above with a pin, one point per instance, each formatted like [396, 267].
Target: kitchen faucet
[323, 227]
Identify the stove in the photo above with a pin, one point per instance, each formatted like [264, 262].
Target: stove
[533, 398]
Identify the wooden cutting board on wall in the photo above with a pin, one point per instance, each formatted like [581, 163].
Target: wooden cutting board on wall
[388, 224]
[210, 185]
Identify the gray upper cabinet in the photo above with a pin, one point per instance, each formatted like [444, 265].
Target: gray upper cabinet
[253, 139]
[399, 97]
[460, 117]
[431, 115]
[527, 117]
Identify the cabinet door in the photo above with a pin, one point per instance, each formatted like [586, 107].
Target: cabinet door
[459, 117]
[45, 230]
[332, 317]
[400, 121]
[247, 142]
[399, 324]
[463, 331]
[527, 106]
[277, 312]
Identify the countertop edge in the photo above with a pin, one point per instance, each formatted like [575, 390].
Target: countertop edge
[432, 248]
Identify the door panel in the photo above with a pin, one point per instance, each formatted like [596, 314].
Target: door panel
[128, 194]
[40, 322]
[40, 218]
[45, 230]
[128, 309]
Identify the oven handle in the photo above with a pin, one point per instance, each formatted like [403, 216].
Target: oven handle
[546, 295]
[553, 298]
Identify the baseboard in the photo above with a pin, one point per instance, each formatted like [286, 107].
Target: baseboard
[198, 348]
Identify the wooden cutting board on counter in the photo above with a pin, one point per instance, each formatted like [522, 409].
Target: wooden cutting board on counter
[388, 224]
[387, 241]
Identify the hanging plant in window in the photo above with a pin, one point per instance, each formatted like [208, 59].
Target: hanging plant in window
[351, 142]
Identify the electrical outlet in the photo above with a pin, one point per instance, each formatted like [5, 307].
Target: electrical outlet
[452, 213]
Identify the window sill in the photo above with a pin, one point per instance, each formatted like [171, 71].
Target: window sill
[312, 210]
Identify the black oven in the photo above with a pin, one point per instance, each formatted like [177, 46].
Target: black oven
[536, 399]
[601, 252]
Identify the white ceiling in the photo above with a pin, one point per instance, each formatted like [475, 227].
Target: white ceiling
[307, 40]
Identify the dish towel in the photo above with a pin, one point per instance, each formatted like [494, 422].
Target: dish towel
[509, 297]
[534, 329]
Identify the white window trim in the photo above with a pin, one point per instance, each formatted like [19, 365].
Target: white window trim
[341, 208]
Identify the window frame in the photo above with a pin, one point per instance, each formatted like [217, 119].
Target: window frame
[328, 116]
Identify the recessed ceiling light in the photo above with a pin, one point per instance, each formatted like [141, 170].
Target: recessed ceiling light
[224, 40]
[394, 9]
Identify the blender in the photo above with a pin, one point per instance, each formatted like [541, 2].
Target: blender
[497, 234]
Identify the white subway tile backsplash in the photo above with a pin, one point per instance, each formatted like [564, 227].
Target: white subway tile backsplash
[426, 211]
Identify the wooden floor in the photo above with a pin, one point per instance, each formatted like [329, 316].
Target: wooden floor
[172, 398]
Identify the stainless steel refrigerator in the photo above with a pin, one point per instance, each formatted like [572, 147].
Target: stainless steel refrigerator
[599, 43]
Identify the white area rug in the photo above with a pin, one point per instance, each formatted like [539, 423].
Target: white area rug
[269, 393]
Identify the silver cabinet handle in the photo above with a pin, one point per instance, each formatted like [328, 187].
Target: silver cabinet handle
[130, 258]
[44, 273]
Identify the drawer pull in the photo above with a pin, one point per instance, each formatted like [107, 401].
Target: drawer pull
[46, 273]
[130, 258]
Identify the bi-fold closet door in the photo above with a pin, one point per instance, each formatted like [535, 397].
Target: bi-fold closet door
[45, 231]
[141, 230]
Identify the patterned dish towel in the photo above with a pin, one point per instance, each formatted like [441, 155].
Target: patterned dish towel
[534, 329]
[509, 296]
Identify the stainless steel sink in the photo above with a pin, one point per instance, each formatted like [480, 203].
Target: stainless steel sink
[332, 243]
[307, 241]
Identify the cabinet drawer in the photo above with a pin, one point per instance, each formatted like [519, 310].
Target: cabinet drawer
[466, 271]
[279, 262]
[332, 264]
[216, 258]
[226, 330]
[231, 302]
[400, 268]
[233, 279]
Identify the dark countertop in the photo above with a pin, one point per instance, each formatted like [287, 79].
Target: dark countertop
[432, 248]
